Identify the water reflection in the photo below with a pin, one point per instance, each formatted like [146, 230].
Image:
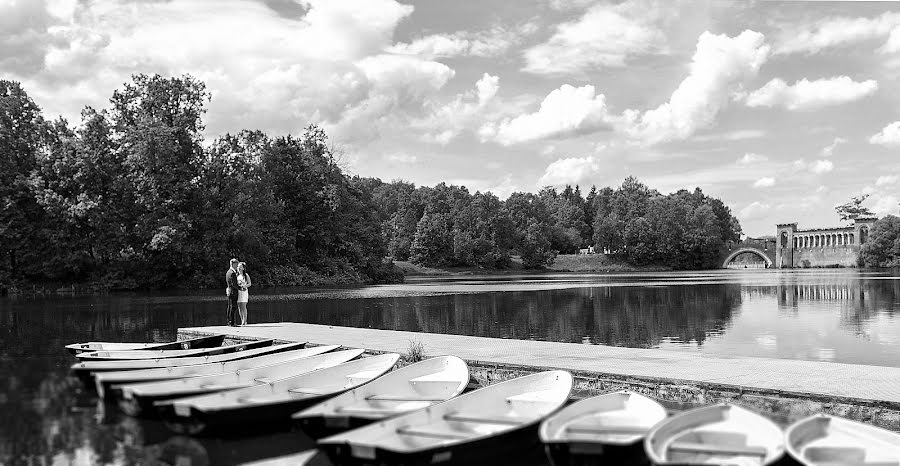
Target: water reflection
[840, 316]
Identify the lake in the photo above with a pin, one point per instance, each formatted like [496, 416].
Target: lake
[837, 315]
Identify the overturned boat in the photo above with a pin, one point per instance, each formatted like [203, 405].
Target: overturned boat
[722, 434]
[139, 398]
[499, 419]
[269, 405]
[608, 428]
[409, 388]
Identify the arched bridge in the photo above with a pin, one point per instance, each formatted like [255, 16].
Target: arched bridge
[764, 248]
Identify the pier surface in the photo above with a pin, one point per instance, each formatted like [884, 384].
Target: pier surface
[796, 387]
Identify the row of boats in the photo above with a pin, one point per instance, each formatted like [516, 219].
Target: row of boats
[365, 411]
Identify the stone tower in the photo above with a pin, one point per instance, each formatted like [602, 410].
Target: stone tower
[784, 245]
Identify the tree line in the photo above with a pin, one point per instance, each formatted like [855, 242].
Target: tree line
[133, 196]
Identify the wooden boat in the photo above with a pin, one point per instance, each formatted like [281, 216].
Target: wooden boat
[140, 397]
[106, 382]
[165, 354]
[91, 346]
[830, 440]
[498, 419]
[718, 434]
[85, 371]
[403, 390]
[609, 427]
[270, 405]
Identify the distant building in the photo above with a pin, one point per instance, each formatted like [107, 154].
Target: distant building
[820, 247]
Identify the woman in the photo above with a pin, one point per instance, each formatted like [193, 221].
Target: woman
[243, 295]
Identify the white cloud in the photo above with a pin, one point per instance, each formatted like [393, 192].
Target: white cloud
[737, 135]
[569, 171]
[489, 43]
[828, 150]
[605, 36]
[884, 204]
[754, 210]
[886, 180]
[750, 159]
[810, 95]
[833, 32]
[401, 157]
[445, 122]
[821, 166]
[720, 64]
[565, 111]
[816, 166]
[764, 182]
[888, 136]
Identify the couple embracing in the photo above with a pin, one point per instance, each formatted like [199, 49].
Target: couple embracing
[237, 281]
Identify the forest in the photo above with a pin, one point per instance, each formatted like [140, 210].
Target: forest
[133, 196]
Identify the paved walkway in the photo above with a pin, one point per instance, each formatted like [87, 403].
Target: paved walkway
[874, 383]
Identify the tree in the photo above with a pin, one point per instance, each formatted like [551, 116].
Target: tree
[882, 249]
[853, 209]
[535, 250]
[433, 243]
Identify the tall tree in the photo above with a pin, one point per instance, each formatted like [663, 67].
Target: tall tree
[853, 209]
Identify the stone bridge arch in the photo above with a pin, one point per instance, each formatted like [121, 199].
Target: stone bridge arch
[751, 250]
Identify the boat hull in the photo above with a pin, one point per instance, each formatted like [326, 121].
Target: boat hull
[590, 453]
[506, 448]
[235, 421]
[193, 343]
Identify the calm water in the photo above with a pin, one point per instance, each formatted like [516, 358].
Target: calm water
[839, 316]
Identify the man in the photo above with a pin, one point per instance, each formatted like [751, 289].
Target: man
[232, 292]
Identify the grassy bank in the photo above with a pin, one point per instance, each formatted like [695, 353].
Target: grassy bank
[599, 263]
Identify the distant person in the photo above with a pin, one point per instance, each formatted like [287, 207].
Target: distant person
[231, 291]
[243, 280]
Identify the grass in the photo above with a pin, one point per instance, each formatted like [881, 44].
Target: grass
[415, 352]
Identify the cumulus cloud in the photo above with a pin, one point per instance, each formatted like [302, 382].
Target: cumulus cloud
[444, 122]
[810, 95]
[565, 111]
[754, 210]
[720, 64]
[886, 180]
[828, 150]
[889, 136]
[569, 171]
[750, 159]
[816, 166]
[833, 32]
[401, 158]
[489, 43]
[320, 62]
[604, 36]
[764, 182]
[737, 135]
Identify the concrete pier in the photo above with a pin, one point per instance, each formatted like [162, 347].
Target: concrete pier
[785, 389]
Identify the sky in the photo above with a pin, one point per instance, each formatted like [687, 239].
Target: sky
[781, 109]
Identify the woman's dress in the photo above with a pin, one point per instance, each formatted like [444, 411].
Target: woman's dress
[243, 294]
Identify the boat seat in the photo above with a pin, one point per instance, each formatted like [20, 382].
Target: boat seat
[434, 383]
[841, 455]
[737, 450]
[264, 380]
[370, 410]
[606, 429]
[436, 434]
[310, 391]
[405, 398]
[215, 386]
[481, 419]
[532, 401]
[362, 377]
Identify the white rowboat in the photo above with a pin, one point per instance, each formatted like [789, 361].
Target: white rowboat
[722, 434]
[289, 351]
[409, 388]
[136, 397]
[165, 354]
[201, 342]
[822, 440]
[503, 415]
[272, 402]
[608, 425]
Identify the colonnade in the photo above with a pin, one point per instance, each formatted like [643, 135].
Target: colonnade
[821, 240]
